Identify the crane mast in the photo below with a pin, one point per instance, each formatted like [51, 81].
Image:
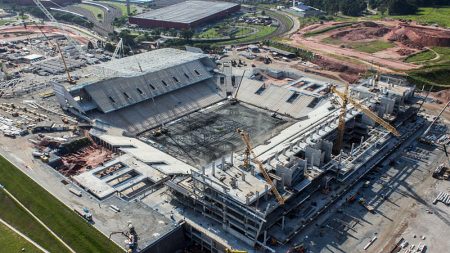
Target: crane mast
[249, 150]
[347, 99]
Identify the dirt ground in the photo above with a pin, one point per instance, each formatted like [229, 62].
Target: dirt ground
[20, 32]
[408, 38]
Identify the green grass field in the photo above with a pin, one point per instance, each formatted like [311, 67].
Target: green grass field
[367, 47]
[76, 232]
[122, 7]
[427, 15]
[330, 28]
[4, 21]
[421, 57]
[263, 32]
[19, 219]
[372, 46]
[215, 33]
[12, 242]
[96, 11]
[434, 71]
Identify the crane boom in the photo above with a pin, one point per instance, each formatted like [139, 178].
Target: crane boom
[52, 19]
[246, 138]
[366, 111]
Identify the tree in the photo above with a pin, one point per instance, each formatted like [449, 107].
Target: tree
[401, 7]
[353, 7]
[187, 34]
[99, 16]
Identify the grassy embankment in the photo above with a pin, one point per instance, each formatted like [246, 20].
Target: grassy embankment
[12, 242]
[76, 232]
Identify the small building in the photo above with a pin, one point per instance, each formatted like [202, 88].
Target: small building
[281, 52]
[32, 58]
[302, 10]
[253, 48]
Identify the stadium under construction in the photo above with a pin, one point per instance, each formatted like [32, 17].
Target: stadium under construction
[236, 158]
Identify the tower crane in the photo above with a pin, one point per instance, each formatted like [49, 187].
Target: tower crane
[69, 77]
[53, 20]
[249, 150]
[347, 99]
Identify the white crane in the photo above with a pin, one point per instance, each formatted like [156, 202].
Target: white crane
[118, 48]
[52, 19]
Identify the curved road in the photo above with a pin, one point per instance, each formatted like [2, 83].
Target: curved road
[101, 27]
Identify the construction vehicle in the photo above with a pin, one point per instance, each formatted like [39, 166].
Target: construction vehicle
[341, 126]
[363, 202]
[159, 131]
[69, 77]
[235, 251]
[85, 213]
[297, 249]
[249, 150]
[132, 237]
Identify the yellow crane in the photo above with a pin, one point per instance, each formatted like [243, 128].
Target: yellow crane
[341, 127]
[249, 150]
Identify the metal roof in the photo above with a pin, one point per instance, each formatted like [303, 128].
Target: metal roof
[117, 93]
[151, 61]
[187, 12]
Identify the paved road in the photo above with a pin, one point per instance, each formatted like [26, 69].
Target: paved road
[24, 236]
[103, 27]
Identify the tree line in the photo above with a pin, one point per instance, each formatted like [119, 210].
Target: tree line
[358, 7]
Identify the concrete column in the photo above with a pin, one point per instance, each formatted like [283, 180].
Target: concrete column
[203, 170]
[291, 146]
[243, 176]
[213, 167]
[266, 188]
[362, 140]
[353, 146]
[231, 159]
[247, 200]
[257, 199]
[282, 223]
[223, 162]
[265, 236]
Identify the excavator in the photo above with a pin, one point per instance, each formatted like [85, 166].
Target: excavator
[345, 97]
[249, 150]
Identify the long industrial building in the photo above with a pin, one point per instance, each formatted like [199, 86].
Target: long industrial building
[185, 15]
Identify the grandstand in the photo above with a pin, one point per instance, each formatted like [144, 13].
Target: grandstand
[283, 100]
[146, 90]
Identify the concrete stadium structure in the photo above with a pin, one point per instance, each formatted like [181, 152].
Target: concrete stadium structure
[221, 202]
[185, 15]
[147, 90]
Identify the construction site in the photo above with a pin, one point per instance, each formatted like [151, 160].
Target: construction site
[179, 151]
